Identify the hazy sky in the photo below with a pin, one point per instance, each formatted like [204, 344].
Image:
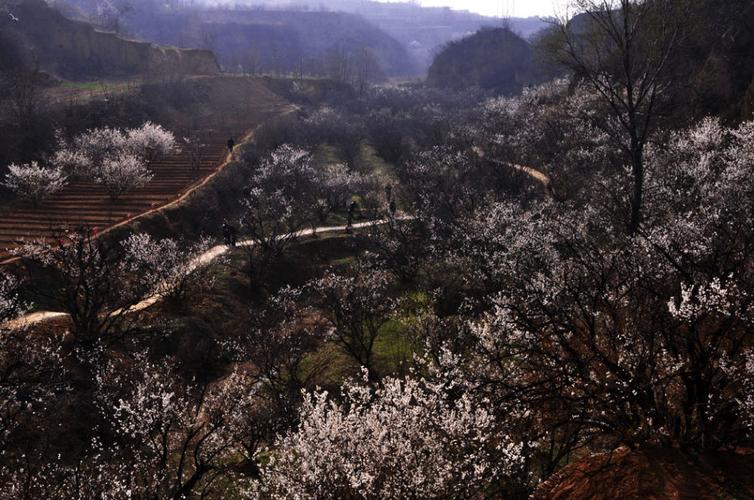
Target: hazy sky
[513, 8]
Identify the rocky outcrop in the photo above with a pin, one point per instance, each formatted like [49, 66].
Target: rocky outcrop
[75, 50]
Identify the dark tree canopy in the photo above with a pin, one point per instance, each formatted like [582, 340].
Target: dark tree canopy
[493, 59]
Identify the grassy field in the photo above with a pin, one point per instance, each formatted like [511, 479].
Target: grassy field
[67, 92]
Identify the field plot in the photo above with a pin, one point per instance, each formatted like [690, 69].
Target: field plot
[67, 93]
[85, 204]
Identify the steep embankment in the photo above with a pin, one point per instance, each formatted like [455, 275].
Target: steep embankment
[653, 474]
[711, 65]
[32, 33]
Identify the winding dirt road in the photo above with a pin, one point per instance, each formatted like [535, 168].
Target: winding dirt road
[202, 260]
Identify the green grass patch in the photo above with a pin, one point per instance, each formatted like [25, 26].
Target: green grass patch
[330, 364]
[326, 154]
[369, 161]
[80, 85]
[393, 349]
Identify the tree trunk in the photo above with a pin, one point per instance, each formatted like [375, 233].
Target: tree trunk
[637, 166]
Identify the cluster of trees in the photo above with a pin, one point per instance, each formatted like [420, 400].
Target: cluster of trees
[137, 412]
[115, 159]
[33, 116]
[609, 310]
[287, 193]
[543, 317]
[548, 326]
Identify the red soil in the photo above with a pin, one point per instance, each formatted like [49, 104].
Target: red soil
[654, 474]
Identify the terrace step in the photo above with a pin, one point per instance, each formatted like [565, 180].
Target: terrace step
[83, 203]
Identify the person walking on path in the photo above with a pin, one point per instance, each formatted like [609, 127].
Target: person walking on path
[351, 210]
[195, 152]
[231, 145]
[229, 234]
[232, 230]
[226, 232]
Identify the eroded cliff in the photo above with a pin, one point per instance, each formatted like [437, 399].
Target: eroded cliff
[33, 33]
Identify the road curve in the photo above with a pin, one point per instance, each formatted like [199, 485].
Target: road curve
[202, 260]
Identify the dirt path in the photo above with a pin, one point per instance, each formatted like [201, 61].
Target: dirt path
[532, 172]
[204, 259]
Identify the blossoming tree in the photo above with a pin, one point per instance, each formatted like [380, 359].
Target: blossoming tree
[117, 159]
[33, 181]
[409, 437]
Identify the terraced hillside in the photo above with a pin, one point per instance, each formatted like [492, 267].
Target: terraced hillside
[85, 204]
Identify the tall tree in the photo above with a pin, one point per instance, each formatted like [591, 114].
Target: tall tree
[621, 48]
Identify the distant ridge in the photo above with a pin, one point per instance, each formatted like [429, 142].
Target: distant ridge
[422, 30]
[74, 50]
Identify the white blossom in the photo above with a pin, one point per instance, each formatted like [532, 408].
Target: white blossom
[406, 438]
[167, 266]
[150, 141]
[122, 173]
[33, 181]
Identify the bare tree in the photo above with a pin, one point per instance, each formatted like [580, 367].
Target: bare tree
[24, 92]
[94, 284]
[621, 48]
[110, 15]
[367, 69]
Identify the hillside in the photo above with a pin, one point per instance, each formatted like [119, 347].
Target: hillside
[268, 41]
[83, 203]
[717, 59]
[75, 50]
[422, 30]
[526, 275]
[493, 59]
[653, 473]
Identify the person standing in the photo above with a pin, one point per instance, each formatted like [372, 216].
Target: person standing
[351, 211]
[226, 232]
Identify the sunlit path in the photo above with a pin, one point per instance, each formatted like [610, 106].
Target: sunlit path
[204, 259]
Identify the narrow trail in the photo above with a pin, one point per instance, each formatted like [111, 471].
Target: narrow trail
[202, 260]
[532, 172]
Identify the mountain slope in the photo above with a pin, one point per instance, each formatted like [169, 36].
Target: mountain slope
[263, 40]
[31, 33]
[281, 40]
[423, 31]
